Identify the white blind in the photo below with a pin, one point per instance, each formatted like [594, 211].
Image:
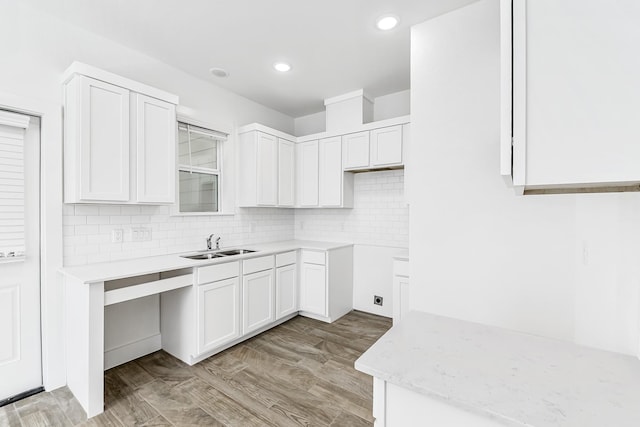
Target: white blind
[12, 132]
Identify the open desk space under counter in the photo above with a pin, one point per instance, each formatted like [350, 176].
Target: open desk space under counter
[449, 372]
[205, 305]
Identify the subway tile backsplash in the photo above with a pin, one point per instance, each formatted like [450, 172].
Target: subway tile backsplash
[379, 217]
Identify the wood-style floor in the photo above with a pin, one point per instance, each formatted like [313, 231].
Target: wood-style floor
[297, 374]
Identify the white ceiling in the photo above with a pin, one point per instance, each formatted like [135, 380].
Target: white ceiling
[333, 45]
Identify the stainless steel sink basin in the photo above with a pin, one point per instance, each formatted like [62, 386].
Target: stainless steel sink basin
[232, 252]
[218, 254]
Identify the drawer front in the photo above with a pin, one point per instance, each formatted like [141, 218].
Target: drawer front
[314, 257]
[213, 273]
[257, 264]
[401, 268]
[286, 258]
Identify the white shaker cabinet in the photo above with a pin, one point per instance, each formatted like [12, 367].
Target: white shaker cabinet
[96, 149]
[386, 146]
[400, 288]
[307, 176]
[218, 314]
[154, 136]
[326, 283]
[266, 169]
[286, 290]
[336, 187]
[569, 95]
[119, 139]
[355, 150]
[286, 173]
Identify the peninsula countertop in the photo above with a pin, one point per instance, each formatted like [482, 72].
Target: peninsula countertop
[112, 270]
[515, 378]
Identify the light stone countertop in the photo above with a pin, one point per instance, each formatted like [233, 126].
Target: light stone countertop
[515, 378]
[104, 271]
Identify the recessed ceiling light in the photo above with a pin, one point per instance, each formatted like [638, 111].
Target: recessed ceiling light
[387, 22]
[219, 72]
[283, 67]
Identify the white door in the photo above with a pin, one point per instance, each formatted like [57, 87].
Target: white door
[386, 146]
[286, 298]
[331, 171]
[307, 173]
[258, 303]
[155, 142]
[218, 313]
[313, 289]
[356, 150]
[20, 343]
[267, 173]
[286, 172]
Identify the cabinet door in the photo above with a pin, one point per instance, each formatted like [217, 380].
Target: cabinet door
[155, 140]
[286, 295]
[218, 313]
[257, 300]
[104, 141]
[356, 150]
[267, 169]
[400, 298]
[331, 171]
[313, 289]
[386, 146]
[286, 172]
[307, 173]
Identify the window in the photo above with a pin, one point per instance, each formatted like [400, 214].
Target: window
[199, 169]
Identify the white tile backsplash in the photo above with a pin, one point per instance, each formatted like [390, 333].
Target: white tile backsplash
[379, 217]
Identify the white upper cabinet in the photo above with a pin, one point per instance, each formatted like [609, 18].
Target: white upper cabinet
[96, 141]
[375, 149]
[330, 171]
[307, 174]
[286, 172]
[154, 131]
[386, 146]
[267, 167]
[119, 139]
[356, 150]
[570, 93]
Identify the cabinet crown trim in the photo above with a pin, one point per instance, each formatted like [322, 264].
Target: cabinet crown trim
[79, 68]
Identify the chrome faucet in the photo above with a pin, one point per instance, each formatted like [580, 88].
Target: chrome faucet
[209, 242]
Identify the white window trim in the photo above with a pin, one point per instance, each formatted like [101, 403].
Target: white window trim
[221, 147]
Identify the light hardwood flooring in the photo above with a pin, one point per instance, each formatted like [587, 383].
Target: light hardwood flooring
[297, 374]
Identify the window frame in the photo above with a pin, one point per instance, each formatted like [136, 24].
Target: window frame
[219, 172]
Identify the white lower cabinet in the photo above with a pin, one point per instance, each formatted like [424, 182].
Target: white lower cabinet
[286, 291]
[218, 314]
[257, 300]
[313, 289]
[400, 289]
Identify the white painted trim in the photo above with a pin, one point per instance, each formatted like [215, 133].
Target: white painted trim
[79, 68]
[350, 95]
[262, 128]
[14, 120]
[128, 352]
[506, 85]
[364, 127]
[129, 293]
[519, 95]
[52, 294]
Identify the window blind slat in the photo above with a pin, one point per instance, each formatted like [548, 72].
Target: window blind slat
[11, 190]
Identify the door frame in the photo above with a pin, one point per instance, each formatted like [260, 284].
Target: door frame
[51, 244]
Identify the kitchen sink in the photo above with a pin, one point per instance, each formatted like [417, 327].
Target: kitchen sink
[232, 252]
[218, 254]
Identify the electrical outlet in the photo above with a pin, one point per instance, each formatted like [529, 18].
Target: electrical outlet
[140, 234]
[116, 235]
[377, 300]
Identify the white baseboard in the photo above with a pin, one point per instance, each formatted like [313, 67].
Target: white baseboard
[131, 351]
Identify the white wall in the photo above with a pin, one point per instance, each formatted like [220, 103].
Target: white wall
[378, 225]
[480, 253]
[393, 105]
[310, 124]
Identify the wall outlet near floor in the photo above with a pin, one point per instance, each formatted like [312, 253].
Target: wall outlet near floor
[377, 300]
[140, 234]
[116, 235]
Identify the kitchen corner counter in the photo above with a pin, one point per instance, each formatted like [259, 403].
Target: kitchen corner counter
[113, 270]
[513, 378]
